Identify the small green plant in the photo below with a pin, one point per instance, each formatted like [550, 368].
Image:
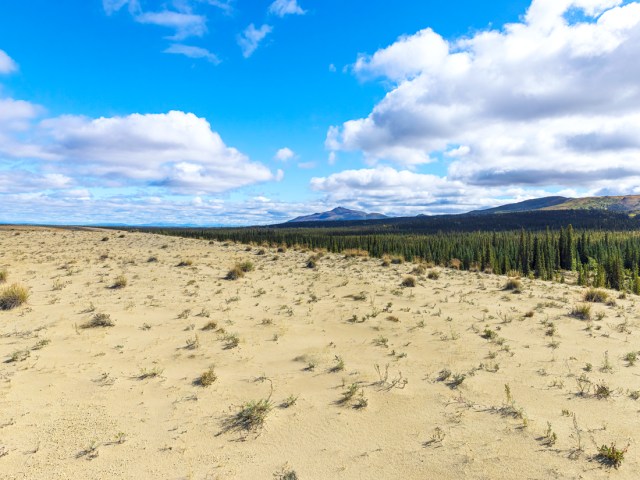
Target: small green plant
[13, 296]
[349, 393]
[290, 401]
[602, 390]
[231, 340]
[631, 358]
[41, 344]
[120, 282]
[339, 365]
[611, 456]
[99, 320]
[120, 438]
[208, 377]
[489, 334]
[550, 436]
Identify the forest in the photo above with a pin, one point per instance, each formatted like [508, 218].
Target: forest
[603, 248]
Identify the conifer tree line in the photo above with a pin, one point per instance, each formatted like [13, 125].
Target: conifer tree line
[600, 258]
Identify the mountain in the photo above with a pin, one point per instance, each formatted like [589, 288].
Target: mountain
[629, 204]
[526, 206]
[338, 214]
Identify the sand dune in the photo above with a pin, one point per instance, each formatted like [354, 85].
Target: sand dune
[428, 367]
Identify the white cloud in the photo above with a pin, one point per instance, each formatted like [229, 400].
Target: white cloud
[403, 192]
[284, 154]
[193, 52]
[177, 151]
[250, 39]
[185, 24]
[7, 65]
[547, 101]
[286, 7]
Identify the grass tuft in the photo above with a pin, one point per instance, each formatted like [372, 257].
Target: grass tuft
[13, 296]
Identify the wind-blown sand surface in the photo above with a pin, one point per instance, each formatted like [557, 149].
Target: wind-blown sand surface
[75, 403]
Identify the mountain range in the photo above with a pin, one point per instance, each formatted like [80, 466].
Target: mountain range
[629, 204]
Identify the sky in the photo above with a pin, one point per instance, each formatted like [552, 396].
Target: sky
[245, 112]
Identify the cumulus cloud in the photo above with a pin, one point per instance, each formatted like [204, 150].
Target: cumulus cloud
[286, 7]
[7, 65]
[284, 154]
[193, 52]
[178, 151]
[250, 39]
[551, 100]
[404, 192]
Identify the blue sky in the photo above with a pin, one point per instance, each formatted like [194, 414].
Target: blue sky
[244, 112]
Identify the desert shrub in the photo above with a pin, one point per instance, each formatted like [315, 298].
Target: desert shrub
[433, 275]
[312, 262]
[3, 275]
[251, 416]
[595, 295]
[246, 266]
[99, 320]
[208, 377]
[386, 261]
[185, 263]
[211, 325]
[152, 259]
[262, 251]
[419, 270]
[235, 273]
[13, 296]
[514, 285]
[397, 260]
[581, 311]
[409, 281]
[282, 249]
[120, 282]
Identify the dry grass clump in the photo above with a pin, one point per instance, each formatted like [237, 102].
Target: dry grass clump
[246, 266]
[208, 377]
[514, 285]
[13, 296]
[185, 263]
[235, 273]
[3, 275]
[596, 296]
[409, 281]
[99, 320]
[433, 275]
[250, 417]
[581, 311]
[120, 282]
[355, 252]
[419, 270]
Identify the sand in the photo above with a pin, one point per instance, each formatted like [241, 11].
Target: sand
[125, 401]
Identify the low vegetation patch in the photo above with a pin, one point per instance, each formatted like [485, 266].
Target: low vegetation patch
[596, 296]
[208, 377]
[514, 285]
[409, 281]
[581, 311]
[13, 296]
[611, 456]
[120, 282]
[99, 320]
[3, 275]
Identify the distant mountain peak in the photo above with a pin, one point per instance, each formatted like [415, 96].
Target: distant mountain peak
[338, 214]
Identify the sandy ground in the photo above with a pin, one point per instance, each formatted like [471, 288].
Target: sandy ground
[125, 401]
